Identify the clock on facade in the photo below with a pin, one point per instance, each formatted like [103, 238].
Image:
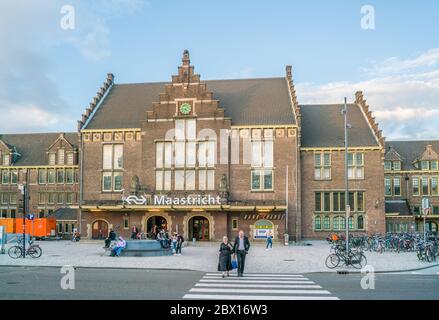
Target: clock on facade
[185, 108]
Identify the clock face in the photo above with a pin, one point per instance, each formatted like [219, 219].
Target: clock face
[185, 108]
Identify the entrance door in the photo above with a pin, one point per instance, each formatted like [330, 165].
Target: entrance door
[99, 230]
[199, 229]
[158, 221]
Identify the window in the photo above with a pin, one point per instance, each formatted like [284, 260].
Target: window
[415, 186]
[397, 165]
[42, 198]
[351, 223]
[360, 222]
[322, 166]
[435, 209]
[425, 165]
[61, 154]
[326, 201]
[5, 176]
[355, 165]
[6, 159]
[434, 165]
[60, 176]
[69, 198]
[387, 186]
[70, 158]
[434, 186]
[206, 179]
[262, 162]
[397, 186]
[59, 227]
[416, 210]
[13, 198]
[126, 223]
[13, 213]
[112, 165]
[60, 198]
[179, 180]
[42, 176]
[51, 198]
[336, 201]
[69, 176]
[387, 165]
[326, 223]
[342, 223]
[318, 223]
[14, 177]
[190, 179]
[51, 176]
[336, 223]
[52, 159]
[234, 224]
[360, 201]
[424, 181]
[318, 202]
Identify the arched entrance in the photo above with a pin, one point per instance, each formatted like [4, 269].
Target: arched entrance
[199, 228]
[158, 221]
[99, 230]
[431, 226]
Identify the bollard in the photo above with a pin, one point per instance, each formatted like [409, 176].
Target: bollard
[194, 241]
[286, 239]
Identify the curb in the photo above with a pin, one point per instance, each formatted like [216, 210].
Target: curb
[379, 271]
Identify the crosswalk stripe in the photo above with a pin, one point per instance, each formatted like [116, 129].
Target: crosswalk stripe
[238, 285]
[259, 274]
[254, 278]
[255, 297]
[257, 281]
[235, 290]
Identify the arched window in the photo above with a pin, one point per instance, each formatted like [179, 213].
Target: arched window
[351, 223]
[336, 223]
[326, 223]
[318, 223]
[342, 223]
[360, 222]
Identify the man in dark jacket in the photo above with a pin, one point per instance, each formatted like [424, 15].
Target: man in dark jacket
[240, 248]
[111, 237]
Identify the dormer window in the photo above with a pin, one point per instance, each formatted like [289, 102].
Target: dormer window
[434, 165]
[70, 158]
[397, 165]
[6, 159]
[51, 159]
[424, 165]
[392, 165]
[61, 154]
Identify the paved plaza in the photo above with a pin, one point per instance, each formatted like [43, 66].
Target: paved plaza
[204, 257]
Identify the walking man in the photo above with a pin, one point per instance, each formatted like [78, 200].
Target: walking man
[240, 249]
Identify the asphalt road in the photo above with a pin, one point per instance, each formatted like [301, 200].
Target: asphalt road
[113, 284]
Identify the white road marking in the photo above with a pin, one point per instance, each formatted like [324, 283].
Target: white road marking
[257, 281]
[255, 297]
[255, 278]
[259, 274]
[238, 285]
[235, 290]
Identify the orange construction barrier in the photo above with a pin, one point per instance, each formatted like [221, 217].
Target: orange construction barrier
[9, 224]
[43, 227]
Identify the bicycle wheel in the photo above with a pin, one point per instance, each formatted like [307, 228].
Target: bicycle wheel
[15, 252]
[355, 260]
[35, 251]
[332, 261]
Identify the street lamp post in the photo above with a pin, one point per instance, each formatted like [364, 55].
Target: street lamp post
[22, 188]
[346, 196]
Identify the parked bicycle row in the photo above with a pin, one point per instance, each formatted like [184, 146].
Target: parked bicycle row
[392, 242]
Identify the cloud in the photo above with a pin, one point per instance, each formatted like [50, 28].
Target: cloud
[30, 31]
[403, 93]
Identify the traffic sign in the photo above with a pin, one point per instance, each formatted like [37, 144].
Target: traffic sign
[30, 216]
[425, 203]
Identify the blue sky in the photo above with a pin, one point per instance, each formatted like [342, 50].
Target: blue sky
[49, 75]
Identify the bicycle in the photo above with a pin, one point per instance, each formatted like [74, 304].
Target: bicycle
[354, 258]
[33, 250]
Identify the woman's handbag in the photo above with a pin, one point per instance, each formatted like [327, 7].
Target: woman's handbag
[234, 264]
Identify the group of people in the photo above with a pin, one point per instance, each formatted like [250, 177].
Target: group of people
[175, 241]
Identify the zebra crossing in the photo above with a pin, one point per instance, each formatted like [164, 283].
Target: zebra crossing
[257, 286]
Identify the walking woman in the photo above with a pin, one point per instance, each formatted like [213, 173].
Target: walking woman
[225, 257]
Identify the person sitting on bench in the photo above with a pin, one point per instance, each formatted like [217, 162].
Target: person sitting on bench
[121, 244]
[111, 237]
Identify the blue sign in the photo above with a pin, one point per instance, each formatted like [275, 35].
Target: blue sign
[30, 216]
